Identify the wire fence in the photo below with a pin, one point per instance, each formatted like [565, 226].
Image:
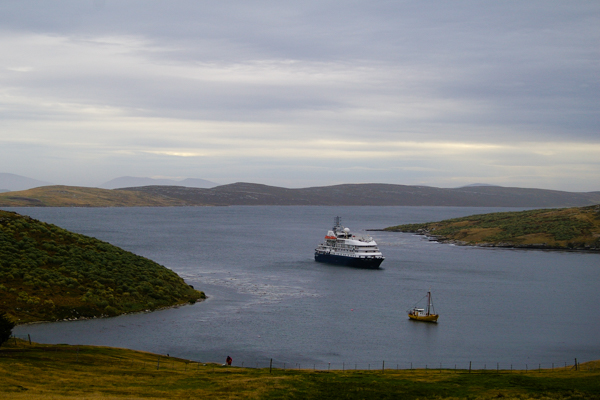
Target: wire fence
[166, 362]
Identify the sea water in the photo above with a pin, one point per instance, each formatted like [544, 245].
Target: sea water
[268, 298]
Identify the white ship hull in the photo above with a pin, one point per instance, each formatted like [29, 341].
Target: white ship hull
[342, 248]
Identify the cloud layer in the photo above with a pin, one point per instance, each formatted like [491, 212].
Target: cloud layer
[433, 93]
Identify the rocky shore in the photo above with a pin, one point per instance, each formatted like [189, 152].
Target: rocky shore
[508, 245]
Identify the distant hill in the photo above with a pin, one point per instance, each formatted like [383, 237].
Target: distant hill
[373, 194]
[566, 228]
[73, 196]
[478, 184]
[48, 273]
[131, 181]
[368, 194]
[18, 182]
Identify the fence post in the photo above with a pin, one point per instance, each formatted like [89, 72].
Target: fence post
[576, 365]
[328, 367]
[469, 366]
[271, 365]
[29, 337]
[383, 367]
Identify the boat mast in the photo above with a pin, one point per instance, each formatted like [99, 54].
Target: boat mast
[428, 302]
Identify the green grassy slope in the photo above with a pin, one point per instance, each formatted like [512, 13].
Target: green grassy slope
[74, 196]
[87, 372]
[567, 228]
[48, 273]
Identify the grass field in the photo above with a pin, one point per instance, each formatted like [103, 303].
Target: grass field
[39, 371]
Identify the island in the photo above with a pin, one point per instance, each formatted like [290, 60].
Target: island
[575, 228]
[48, 273]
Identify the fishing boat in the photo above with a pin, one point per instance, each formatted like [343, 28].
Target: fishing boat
[424, 314]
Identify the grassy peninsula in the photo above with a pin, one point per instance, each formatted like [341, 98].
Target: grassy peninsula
[565, 228]
[39, 371]
[48, 273]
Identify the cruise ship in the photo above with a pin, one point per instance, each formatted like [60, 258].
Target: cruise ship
[342, 248]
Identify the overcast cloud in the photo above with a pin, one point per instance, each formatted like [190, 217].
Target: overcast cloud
[302, 94]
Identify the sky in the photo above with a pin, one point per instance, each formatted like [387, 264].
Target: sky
[300, 94]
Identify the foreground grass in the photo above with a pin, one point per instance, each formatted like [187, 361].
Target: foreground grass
[39, 371]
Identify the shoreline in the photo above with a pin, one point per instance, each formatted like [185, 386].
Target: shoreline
[187, 303]
[499, 245]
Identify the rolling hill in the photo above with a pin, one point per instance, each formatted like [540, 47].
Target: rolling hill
[251, 194]
[373, 194]
[73, 196]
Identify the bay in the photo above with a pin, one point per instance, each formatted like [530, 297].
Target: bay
[268, 298]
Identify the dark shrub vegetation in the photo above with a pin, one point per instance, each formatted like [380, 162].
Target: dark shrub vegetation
[48, 273]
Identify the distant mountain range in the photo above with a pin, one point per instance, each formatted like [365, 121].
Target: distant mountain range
[131, 181]
[368, 194]
[13, 182]
[373, 194]
[10, 182]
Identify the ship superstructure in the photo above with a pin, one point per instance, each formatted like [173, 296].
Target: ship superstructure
[342, 248]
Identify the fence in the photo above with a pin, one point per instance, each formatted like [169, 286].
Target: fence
[166, 362]
[383, 366]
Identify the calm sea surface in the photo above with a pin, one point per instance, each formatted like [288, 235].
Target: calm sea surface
[269, 299]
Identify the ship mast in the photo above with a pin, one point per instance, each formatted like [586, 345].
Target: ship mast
[337, 222]
[428, 302]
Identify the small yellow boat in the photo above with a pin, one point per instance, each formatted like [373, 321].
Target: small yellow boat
[424, 314]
